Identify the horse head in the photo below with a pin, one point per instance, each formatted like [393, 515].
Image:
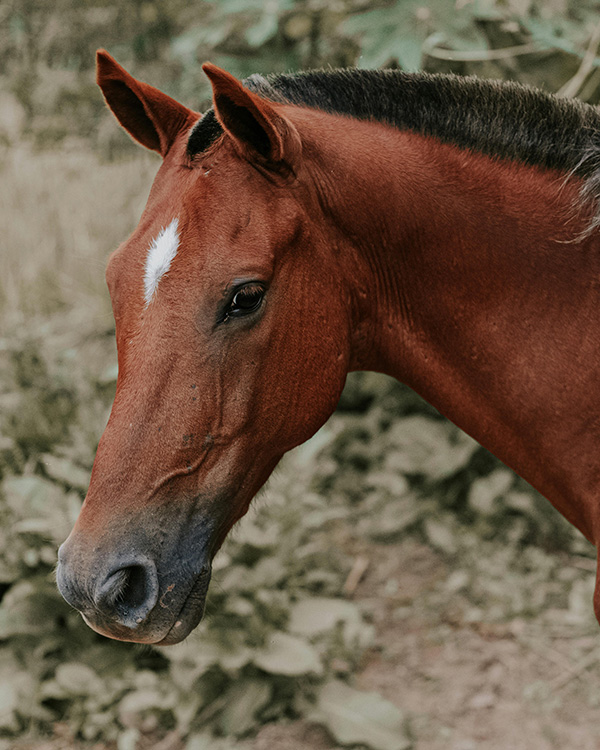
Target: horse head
[233, 347]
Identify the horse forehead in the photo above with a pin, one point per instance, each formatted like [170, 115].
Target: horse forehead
[192, 220]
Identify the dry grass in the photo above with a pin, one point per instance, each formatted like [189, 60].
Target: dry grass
[61, 214]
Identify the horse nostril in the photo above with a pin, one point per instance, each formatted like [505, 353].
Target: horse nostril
[124, 587]
[135, 589]
[128, 594]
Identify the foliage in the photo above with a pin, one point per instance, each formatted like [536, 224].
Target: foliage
[280, 639]
[263, 645]
[356, 717]
[46, 55]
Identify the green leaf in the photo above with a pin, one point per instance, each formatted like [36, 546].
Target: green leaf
[485, 491]
[30, 607]
[207, 741]
[65, 471]
[544, 31]
[30, 496]
[430, 447]
[109, 374]
[355, 717]
[184, 46]
[18, 691]
[77, 679]
[196, 655]
[284, 654]
[392, 519]
[253, 536]
[310, 617]
[318, 615]
[128, 739]
[408, 49]
[440, 536]
[260, 32]
[137, 702]
[522, 502]
[9, 702]
[187, 707]
[244, 700]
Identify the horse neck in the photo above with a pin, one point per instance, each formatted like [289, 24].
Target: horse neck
[464, 287]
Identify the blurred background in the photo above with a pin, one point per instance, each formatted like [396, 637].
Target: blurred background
[395, 586]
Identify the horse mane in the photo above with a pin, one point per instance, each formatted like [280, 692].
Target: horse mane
[502, 119]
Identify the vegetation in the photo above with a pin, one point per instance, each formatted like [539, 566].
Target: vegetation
[282, 637]
[46, 49]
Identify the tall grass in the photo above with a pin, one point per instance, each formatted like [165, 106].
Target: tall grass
[61, 214]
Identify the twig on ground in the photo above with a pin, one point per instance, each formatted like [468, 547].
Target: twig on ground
[582, 563]
[361, 563]
[564, 679]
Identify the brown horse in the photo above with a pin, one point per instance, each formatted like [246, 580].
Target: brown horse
[438, 229]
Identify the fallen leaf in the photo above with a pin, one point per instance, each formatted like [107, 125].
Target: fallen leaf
[354, 717]
[288, 655]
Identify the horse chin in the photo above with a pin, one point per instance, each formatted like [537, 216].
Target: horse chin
[190, 614]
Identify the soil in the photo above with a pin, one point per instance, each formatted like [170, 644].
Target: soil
[462, 686]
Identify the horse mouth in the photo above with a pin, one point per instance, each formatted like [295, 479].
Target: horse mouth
[190, 613]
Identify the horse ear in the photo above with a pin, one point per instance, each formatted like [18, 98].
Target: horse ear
[148, 115]
[258, 130]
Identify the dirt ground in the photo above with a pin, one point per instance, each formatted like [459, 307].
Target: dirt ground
[466, 686]
[462, 686]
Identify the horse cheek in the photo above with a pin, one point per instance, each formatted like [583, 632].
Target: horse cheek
[318, 379]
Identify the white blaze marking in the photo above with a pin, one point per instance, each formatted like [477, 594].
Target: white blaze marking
[161, 252]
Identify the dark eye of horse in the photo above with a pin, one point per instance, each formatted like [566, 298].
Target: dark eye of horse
[246, 300]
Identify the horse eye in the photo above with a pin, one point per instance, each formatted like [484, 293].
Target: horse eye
[246, 300]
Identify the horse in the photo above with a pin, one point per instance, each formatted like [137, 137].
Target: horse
[439, 229]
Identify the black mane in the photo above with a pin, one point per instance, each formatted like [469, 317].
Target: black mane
[501, 119]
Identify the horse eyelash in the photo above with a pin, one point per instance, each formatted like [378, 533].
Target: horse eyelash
[224, 312]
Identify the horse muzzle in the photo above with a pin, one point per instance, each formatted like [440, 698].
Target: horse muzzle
[140, 588]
